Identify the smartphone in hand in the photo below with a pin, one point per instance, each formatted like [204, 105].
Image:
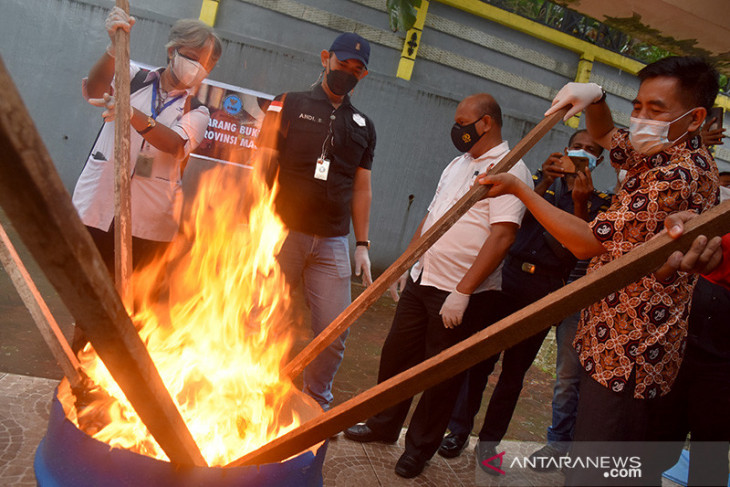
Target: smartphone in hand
[715, 115]
[573, 164]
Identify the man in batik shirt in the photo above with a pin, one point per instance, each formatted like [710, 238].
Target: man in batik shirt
[631, 343]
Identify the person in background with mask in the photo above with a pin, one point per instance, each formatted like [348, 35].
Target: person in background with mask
[320, 149]
[536, 265]
[167, 123]
[631, 342]
[453, 290]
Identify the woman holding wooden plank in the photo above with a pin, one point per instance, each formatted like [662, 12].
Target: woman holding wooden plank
[168, 122]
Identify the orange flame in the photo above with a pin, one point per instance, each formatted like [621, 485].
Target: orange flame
[217, 329]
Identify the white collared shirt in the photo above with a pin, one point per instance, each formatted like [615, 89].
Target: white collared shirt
[156, 195]
[446, 262]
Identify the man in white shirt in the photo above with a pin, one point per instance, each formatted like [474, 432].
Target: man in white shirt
[454, 289]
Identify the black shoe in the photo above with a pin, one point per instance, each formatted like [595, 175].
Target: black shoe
[452, 445]
[363, 434]
[487, 459]
[409, 466]
[547, 458]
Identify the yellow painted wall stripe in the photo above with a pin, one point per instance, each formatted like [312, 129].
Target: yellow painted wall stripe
[411, 43]
[545, 33]
[553, 36]
[208, 11]
[583, 75]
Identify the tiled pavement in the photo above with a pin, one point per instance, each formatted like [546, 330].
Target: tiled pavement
[24, 409]
[351, 464]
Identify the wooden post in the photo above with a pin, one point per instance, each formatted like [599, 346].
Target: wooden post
[415, 250]
[122, 171]
[50, 331]
[495, 338]
[40, 209]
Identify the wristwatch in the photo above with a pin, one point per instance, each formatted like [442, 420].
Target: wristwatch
[150, 125]
[363, 243]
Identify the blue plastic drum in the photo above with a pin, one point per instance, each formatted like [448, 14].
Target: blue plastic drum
[69, 457]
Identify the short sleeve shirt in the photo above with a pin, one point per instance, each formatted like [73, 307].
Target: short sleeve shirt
[304, 127]
[642, 328]
[156, 188]
[445, 263]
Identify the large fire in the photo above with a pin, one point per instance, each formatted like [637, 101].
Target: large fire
[217, 328]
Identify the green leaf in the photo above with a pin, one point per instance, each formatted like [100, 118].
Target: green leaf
[402, 14]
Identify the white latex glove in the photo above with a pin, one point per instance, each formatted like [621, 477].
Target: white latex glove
[118, 19]
[453, 309]
[580, 95]
[362, 265]
[109, 104]
[398, 286]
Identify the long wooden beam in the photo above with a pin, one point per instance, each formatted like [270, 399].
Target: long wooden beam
[415, 250]
[495, 338]
[42, 317]
[40, 209]
[122, 171]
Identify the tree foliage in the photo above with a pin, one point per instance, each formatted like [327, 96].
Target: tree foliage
[402, 14]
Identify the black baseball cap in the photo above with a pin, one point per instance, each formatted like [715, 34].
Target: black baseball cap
[351, 46]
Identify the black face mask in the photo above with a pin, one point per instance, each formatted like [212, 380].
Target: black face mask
[340, 82]
[465, 136]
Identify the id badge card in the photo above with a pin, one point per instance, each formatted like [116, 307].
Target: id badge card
[322, 169]
[143, 166]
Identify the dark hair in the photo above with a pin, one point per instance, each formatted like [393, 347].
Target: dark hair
[725, 173]
[581, 131]
[572, 137]
[697, 78]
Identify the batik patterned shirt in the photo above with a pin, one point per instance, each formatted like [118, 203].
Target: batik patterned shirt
[643, 326]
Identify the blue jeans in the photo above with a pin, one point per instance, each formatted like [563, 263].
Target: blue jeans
[565, 393]
[322, 264]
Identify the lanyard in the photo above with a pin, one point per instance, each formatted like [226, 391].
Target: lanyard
[153, 108]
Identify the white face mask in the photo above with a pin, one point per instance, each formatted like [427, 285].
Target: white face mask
[187, 71]
[592, 160]
[650, 136]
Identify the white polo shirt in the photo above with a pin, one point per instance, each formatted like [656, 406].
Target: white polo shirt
[156, 190]
[446, 262]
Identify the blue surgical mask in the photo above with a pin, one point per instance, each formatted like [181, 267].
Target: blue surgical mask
[592, 160]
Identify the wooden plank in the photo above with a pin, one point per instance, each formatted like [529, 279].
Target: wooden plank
[495, 338]
[415, 250]
[40, 209]
[122, 172]
[42, 317]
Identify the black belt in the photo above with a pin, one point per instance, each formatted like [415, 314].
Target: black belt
[536, 269]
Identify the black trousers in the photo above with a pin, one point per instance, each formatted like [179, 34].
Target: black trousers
[615, 424]
[520, 289]
[700, 406]
[143, 252]
[515, 363]
[418, 333]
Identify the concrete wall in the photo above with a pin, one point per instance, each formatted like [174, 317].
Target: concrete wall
[49, 45]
